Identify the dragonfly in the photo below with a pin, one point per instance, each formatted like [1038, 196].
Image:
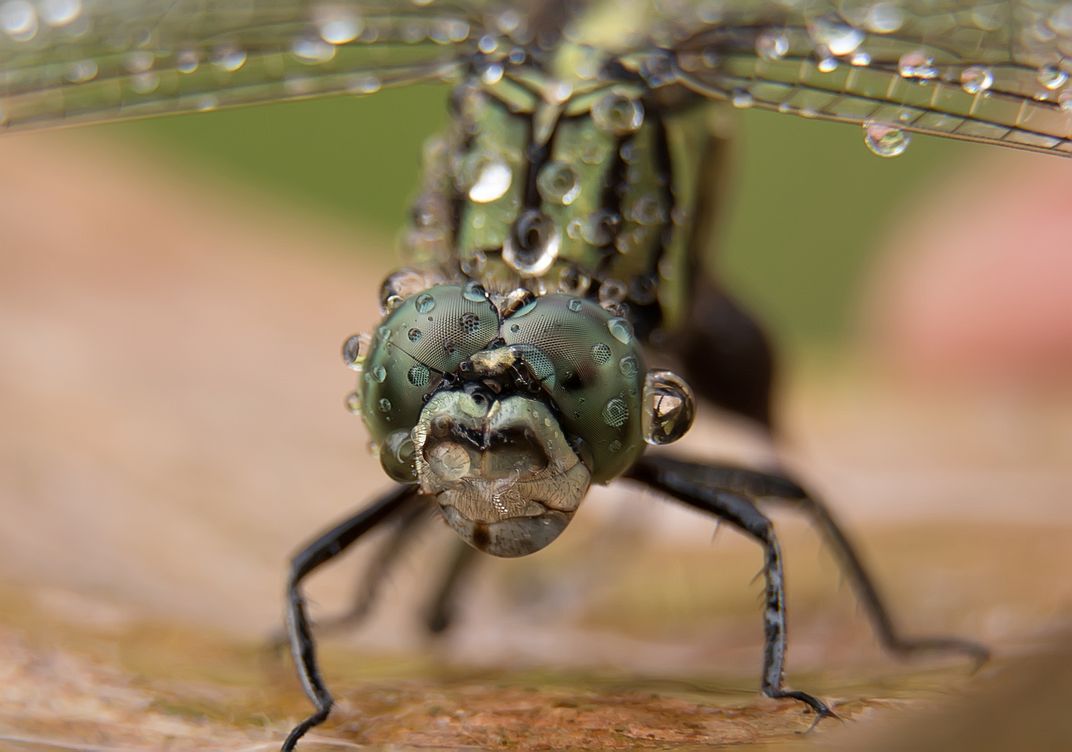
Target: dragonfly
[554, 249]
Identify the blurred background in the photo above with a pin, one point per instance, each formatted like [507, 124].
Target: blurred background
[173, 297]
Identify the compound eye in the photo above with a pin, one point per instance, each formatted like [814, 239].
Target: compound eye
[668, 407]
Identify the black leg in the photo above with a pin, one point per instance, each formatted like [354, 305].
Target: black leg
[682, 481]
[784, 490]
[322, 550]
[440, 611]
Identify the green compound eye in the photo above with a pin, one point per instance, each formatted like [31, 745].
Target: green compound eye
[590, 366]
[428, 335]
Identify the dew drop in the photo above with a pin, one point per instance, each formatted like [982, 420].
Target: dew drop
[418, 376]
[620, 329]
[57, 13]
[741, 99]
[975, 79]
[600, 353]
[229, 59]
[611, 293]
[312, 50]
[618, 113]
[572, 281]
[474, 292]
[615, 412]
[575, 305]
[414, 335]
[378, 374]
[338, 26]
[827, 65]
[885, 18]
[82, 71]
[385, 405]
[425, 303]
[1052, 77]
[353, 403]
[18, 20]
[839, 38]
[558, 183]
[533, 243]
[485, 177]
[367, 84]
[354, 350]
[669, 408]
[917, 64]
[627, 366]
[600, 228]
[885, 140]
[646, 210]
[772, 44]
[187, 61]
[492, 74]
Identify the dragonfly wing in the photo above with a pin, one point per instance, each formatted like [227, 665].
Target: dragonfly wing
[75, 61]
[995, 72]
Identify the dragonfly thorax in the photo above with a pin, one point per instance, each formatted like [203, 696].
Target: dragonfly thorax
[559, 186]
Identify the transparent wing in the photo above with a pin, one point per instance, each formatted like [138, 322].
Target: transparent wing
[996, 72]
[73, 61]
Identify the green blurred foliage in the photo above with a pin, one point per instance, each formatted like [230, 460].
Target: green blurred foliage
[808, 204]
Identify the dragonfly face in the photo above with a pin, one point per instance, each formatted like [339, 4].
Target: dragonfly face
[505, 410]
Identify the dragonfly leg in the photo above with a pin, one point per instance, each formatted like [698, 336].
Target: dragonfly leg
[780, 488]
[440, 612]
[686, 482]
[320, 551]
[407, 521]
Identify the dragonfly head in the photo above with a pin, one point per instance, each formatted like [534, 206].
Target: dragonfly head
[506, 411]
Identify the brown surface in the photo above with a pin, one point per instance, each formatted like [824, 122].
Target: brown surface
[171, 394]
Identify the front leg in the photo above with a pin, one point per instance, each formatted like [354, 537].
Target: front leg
[784, 490]
[678, 479]
[322, 550]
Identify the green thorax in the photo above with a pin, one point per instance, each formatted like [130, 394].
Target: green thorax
[564, 178]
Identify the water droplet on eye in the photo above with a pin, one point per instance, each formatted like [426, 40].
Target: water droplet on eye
[18, 20]
[558, 183]
[917, 64]
[384, 405]
[474, 292]
[669, 408]
[398, 456]
[378, 374]
[425, 303]
[772, 45]
[837, 37]
[353, 403]
[976, 78]
[484, 177]
[533, 243]
[575, 305]
[469, 322]
[57, 13]
[741, 99]
[1052, 77]
[620, 329]
[229, 59]
[414, 335]
[614, 447]
[615, 412]
[885, 140]
[627, 366]
[354, 350]
[618, 113]
[418, 376]
[600, 353]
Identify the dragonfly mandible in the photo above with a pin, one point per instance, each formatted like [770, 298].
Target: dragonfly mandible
[553, 253]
